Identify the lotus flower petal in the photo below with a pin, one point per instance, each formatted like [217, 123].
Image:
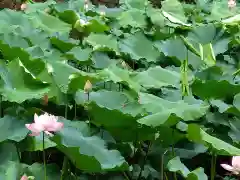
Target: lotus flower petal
[227, 167]
[34, 127]
[57, 126]
[236, 162]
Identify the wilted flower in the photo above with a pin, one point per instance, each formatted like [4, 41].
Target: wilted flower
[231, 4]
[24, 177]
[235, 168]
[87, 86]
[46, 122]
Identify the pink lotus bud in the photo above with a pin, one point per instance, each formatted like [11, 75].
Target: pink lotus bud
[24, 177]
[231, 4]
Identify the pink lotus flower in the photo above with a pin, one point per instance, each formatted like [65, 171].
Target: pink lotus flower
[235, 168]
[46, 122]
[24, 177]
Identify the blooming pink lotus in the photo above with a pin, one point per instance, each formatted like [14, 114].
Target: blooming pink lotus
[46, 122]
[24, 177]
[235, 168]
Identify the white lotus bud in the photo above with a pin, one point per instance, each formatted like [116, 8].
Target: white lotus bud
[87, 86]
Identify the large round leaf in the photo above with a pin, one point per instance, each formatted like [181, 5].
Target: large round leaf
[163, 110]
[88, 153]
[12, 128]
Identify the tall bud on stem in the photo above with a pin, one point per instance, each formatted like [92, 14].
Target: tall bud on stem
[87, 88]
[45, 100]
[85, 5]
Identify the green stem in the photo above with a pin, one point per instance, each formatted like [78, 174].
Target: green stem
[184, 76]
[18, 152]
[88, 98]
[119, 87]
[65, 160]
[125, 175]
[135, 144]
[75, 111]
[162, 167]
[173, 155]
[144, 161]
[213, 166]
[110, 86]
[175, 175]
[1, 115]
[165, 176]
[44, 160]
[64, 167]
[66, 111]
[236, 73]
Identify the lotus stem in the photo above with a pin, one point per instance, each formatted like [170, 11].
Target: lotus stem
[165, 174]
[65, 160]
[1, 115]
[213, 166]
[66, 111]
[64, 167]
[125, 175]
[173, 155]
[162, 167]
[88, 94]
[75, 111]
[44, 160]
[144, 161]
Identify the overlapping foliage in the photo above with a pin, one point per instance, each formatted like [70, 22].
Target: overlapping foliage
[165, 88]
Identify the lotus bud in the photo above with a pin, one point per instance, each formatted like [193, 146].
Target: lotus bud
[231, 4]
[45, 99]
[23, 6]
[125, 65]
[24, 177]
[102, 13]
[86, 5]
[87, 86]
[47, 10]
